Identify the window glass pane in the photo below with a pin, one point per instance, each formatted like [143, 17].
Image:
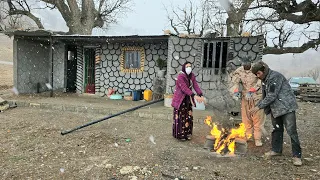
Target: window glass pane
[126, 56]
[224, 57]
[218, 49]
[211, 50]
[138, 59]
[224, 54]
[132, 60]
[205, 55]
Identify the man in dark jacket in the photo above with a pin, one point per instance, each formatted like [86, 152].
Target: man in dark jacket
[279, 101]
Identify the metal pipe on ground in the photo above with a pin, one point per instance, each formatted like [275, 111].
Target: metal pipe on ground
[111, 116]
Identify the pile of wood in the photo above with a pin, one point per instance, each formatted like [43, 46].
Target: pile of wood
[3, 105]
[309, 92]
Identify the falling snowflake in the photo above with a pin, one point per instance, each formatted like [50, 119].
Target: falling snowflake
[151, 138]
[15, 90]
[48, 85]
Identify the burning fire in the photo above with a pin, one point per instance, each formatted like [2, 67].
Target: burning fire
[224, 138]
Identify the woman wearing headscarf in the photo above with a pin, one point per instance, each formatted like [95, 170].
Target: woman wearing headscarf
[182, 102]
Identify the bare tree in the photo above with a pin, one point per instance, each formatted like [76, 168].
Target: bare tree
[11, 22]
[303, 14]
[236, 11]
[314, 73]
[81, 16]
[191, 19]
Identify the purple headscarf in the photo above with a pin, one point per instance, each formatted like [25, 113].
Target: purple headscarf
[184, 69]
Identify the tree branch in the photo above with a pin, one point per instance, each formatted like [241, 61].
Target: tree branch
[28, 14]
[311, 44]
[62, 7]
[74, 8]
[286, 9]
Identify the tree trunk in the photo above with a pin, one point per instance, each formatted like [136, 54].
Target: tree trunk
[80, 29]
[83, 28]
[233, 26]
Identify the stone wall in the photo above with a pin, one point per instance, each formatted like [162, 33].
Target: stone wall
[59, 71]
[31, 61]
[245, 46]
[109, 75]
[214, 86]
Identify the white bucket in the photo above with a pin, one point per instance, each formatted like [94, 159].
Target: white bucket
[168, 100]
[200, 106]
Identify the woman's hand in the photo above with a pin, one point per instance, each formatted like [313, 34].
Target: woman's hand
[198, 99]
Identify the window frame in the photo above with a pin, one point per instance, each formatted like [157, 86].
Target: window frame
[123, 59]
[214, 42]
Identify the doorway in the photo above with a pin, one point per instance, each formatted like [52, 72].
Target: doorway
[89, 70]
[71, 57]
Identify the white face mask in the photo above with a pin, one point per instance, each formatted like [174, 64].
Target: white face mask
[188, 70]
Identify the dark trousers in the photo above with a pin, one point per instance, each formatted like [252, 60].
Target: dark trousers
[289, 122]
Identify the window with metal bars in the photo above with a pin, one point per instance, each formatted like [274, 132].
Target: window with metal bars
[132, 59]
[215, 56]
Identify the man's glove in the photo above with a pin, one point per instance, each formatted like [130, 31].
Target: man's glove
[236, 94]
[252, 90]
[249, 96]
[250, 93]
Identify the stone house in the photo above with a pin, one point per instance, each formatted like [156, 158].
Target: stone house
[93, 64]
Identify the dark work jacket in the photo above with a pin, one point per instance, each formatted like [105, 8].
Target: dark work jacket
[278, 98]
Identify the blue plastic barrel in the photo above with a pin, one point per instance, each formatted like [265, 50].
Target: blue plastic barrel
[136, 95]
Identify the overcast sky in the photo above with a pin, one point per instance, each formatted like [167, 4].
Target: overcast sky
[147, 17]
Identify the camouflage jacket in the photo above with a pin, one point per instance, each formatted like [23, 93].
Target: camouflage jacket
[278, 98]
[248, 80]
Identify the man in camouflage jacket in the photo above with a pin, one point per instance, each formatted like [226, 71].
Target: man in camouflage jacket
[249, 88]
[279, 101]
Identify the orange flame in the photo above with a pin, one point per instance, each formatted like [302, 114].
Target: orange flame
[223, 138]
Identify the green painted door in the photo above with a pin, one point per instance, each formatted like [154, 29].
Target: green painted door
[89, 70]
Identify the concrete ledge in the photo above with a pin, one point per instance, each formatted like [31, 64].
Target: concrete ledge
[159, 113]
[142, 113]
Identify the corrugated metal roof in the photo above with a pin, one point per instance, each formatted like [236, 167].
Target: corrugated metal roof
[66, 36]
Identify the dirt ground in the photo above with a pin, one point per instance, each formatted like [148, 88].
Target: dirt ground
[120, 148]
[6, 50]
[6, 76]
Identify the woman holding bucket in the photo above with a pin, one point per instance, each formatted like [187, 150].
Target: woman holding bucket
[182, 102]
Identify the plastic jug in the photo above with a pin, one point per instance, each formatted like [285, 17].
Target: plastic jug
[147, 95]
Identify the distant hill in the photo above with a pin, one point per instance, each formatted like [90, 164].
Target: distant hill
[5, 48]
[294, 64]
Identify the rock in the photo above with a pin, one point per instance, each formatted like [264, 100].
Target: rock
[126, 170]
[133, 177]
[308, 159]
[145, 171]
[108, 166]
[2, 101]
[3, 105]
[136, 168]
